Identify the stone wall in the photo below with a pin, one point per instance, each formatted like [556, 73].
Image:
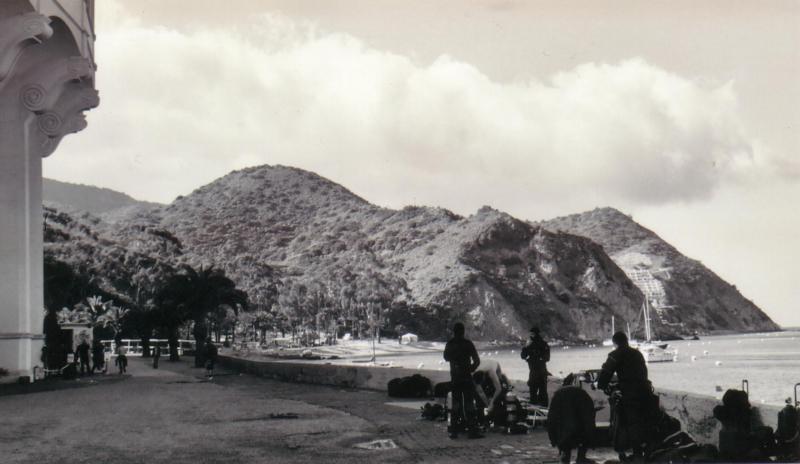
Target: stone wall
[694, 411]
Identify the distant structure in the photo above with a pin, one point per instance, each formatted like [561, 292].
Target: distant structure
[651, 287]
[47, 73]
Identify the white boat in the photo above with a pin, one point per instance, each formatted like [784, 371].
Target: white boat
[653, 351]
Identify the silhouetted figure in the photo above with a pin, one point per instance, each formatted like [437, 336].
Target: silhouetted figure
[463, 359]
[98, 357]
[571, 421]
[156, 356]
[210, 356]
[122, 360]
[633, 402]
[83, 357]
[537, 354]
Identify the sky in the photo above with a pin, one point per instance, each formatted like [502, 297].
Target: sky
[683, 114]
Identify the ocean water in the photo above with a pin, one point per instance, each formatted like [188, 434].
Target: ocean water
[770, 362]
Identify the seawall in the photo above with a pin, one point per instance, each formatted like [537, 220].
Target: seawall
[693, 410]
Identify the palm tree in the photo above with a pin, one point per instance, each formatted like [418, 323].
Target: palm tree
[194, 294]
[113, 318]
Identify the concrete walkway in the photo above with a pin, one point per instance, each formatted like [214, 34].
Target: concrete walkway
[175, 415]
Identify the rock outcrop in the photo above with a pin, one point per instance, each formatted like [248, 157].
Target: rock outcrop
[687, 295]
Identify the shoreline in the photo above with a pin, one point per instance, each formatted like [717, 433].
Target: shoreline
[706, 367]
[693, 410]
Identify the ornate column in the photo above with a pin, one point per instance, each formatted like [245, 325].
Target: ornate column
[45, 85]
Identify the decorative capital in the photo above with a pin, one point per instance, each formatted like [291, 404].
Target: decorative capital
[46, 87]
[17, 32]
[48, 80]
[65, 117]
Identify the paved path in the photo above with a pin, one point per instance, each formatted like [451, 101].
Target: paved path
[175, 415]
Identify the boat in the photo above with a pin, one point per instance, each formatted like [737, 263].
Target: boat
[653, 351]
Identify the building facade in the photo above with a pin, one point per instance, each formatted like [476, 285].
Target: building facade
[47, 71]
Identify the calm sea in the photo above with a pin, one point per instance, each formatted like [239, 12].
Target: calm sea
[769, 362]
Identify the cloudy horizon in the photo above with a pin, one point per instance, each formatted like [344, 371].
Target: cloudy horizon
[690, 124]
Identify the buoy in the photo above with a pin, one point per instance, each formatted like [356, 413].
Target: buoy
[512, 351]
[694, 358]
[420, 365]
[705, 353]
[441, 362]
[496, 353]
[718, 363]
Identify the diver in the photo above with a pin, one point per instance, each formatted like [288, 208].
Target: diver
[463, 359]
[537, 354]
[632, 402]
[491, 386]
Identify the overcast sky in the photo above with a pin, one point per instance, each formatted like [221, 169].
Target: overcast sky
[686, 116]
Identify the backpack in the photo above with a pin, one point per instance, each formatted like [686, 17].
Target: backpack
[415, 386]
[441, 389]
[675, 447]
[433, 411]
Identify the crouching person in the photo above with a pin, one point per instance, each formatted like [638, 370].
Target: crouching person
[491, 386]
[571, 421]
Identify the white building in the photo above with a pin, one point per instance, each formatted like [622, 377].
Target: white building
[47, 73]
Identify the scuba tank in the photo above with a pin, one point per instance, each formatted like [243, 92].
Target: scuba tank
[788, 433]
[514, 414]
[449, 409]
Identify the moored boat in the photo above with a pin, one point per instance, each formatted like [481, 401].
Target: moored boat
[654, 351]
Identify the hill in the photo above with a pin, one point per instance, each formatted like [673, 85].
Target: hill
[424, 267]
[313, 252]
[686, 294]
[69, 197]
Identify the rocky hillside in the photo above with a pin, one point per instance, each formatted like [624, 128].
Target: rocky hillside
[688, 295]
[425, 267]
[275, 227]
[85, 198]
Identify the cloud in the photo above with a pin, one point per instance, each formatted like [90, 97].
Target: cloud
[182, 107]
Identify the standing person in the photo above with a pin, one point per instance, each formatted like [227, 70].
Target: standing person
[571, 421]
[156, 356]
[98, 356]
[537, 354]
[211, 357]
[463, 359]
[630, 411]
[122, 359]
[83, 356]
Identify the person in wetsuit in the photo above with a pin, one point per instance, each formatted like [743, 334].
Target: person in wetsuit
[571, 421]
[630, 411]
[537, 354]
[463, 359]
